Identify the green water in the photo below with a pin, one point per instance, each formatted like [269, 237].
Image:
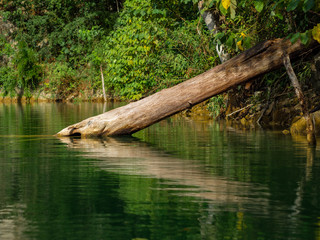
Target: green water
[179, 179]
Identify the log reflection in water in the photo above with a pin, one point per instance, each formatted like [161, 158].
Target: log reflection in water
[13, 223]
[135, 157]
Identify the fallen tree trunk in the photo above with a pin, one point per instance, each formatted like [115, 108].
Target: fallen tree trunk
[138, 115]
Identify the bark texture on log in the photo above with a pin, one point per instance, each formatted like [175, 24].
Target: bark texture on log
[138, 115]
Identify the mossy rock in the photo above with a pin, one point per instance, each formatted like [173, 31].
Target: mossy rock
[299, 126]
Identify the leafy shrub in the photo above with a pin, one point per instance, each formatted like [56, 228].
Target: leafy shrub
[21, 69]
[27, 68]
[149, 50]
[62, 79]
[216, 105]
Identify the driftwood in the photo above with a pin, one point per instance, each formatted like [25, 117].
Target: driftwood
[135, 116]
[239, 110]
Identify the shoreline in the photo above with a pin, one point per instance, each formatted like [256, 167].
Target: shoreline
[283, 115]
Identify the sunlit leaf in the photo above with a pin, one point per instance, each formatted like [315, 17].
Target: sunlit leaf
[226, 3]
[258, 5]
[239, 44]
[316, 33]
[223, 10]
[279, 15]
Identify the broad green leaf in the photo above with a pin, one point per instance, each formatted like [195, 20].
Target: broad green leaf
[304, 37]
[247, 42]
[243, 3]
[308, 5]
[276, 5]
[202, 11]
[258, 5]
[279, 15]
[233, 7]
[294, 37]
[219, 35]
[230, 41]
[293, 5]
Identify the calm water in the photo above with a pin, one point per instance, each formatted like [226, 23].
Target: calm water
[178, 179]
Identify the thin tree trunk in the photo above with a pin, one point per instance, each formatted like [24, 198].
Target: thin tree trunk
[311, 137]
[212, 25]
[103, 88]
[135, 116]
[118, 10]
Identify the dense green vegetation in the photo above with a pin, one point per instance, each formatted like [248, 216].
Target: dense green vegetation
[142, 45]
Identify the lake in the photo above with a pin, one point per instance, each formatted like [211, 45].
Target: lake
[178, 179]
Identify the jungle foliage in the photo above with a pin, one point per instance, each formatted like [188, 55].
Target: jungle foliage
[142, 45]
[53, 37]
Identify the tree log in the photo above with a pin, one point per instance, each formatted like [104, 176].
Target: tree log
[135, 116]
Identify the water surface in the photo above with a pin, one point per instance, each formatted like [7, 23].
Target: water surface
[178, 179]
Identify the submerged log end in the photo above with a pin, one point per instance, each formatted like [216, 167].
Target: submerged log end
[85, 128]
[68, 131]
